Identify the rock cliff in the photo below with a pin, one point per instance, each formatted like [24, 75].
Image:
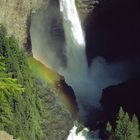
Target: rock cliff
[15, 15]
[5, 136]
[85, 7]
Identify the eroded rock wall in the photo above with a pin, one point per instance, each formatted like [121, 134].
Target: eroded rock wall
[15, 15]
[84, 8]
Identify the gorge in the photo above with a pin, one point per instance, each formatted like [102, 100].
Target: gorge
[67, 56]
[76, 61]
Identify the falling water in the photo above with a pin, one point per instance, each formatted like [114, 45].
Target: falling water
[70, 14]
[87, 83]
[75, 42]
[76, 71]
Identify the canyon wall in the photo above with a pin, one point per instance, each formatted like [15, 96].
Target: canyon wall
[85, 7]
[15, 15]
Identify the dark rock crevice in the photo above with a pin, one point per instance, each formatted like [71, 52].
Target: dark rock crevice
[28, 44]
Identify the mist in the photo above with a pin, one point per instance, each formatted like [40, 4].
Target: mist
[47, 36]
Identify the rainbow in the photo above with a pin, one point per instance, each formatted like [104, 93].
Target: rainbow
[64, 92]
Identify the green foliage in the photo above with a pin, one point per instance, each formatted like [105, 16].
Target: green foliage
[109, 127]
[123, 131]
[126, 129]
[20, 106]
[135, 128]
[9, 90]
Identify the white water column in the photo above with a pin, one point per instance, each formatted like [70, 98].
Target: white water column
[68, 8]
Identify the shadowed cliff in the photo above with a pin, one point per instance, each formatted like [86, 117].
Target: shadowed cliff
[113, 30]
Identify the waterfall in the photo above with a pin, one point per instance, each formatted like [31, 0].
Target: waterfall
[75, 42]
[70, 14]
[76, 71]
[64, 51]
[87, 83]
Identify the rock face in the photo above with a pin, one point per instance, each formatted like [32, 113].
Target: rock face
[15, 15]
[58, 119]
[67, 95]
[84, 8]
[5, 136]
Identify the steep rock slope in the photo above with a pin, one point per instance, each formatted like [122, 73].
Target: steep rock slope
[63, 91]
[15, 15]
[5, 136]
[85, 7]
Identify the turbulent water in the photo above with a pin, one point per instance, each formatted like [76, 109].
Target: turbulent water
[84, 134]
[78, 136]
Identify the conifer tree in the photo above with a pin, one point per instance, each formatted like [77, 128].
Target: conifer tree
[135, 135]
[19, 114]
[110, 132]
[126, 129]
[123, 131]
[109, 127]
[9, 90]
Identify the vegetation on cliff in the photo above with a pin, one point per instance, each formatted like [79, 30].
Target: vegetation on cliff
[19, 114]
[126, 128]
[27, 105]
